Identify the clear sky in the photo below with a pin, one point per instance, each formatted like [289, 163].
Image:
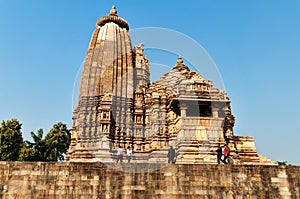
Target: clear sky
[254, 43]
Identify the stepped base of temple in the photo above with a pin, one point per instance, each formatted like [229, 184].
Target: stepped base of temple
[187, 152]
[123, 181]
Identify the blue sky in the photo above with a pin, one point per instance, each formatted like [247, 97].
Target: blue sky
[255, 45]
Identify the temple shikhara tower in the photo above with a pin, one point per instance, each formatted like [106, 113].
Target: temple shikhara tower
[119, 106]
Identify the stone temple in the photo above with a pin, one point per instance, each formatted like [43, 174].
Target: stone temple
[119, 106]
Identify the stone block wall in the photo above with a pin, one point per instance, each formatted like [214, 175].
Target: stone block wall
[104, 181]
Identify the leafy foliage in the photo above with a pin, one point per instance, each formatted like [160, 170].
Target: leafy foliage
[11, 140]
[52, 147]
[55, 144]
[39, 145]
[283, 163]
[26, 153]
[57, 141]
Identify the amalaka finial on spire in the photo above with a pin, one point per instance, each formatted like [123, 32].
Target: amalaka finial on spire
[113, 11]
[180, 65]
[179, 60]
[113, 17]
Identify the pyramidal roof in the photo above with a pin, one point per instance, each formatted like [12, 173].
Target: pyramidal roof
[182, 81]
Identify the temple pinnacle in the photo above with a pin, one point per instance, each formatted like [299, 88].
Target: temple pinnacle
[113, 11]
[179, 60]
[113, 17]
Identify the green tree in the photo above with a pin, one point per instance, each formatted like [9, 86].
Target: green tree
[27, 153]
[11, 140]
[52, 147]
[39, 145]
[55, 144]
[57, 141]
[283, 163]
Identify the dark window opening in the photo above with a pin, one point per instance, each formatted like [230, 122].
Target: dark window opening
[199, 110]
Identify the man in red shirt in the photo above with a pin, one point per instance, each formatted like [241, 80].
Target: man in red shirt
[226, 154]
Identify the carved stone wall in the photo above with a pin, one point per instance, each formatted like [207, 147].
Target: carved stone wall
[20, 180]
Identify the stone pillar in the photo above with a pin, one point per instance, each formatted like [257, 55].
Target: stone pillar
[215, 111]
[183, 108]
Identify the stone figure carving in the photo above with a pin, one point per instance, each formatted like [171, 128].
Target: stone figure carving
[107, 97]
[139, 49]
[105, 129]
[171, 115]
[147, 120]
[138, 132]
[104, 143]
[128, 132]
[228, 133]
[105, 114]
[139, 119]
[172, 129]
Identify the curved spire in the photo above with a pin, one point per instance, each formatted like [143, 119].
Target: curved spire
[113, 17]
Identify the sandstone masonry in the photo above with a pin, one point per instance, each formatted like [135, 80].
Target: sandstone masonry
[23, 180]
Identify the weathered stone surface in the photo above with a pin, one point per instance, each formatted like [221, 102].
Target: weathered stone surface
[96, 180]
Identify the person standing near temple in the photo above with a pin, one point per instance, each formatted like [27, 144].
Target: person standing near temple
[171, 155]
[110, 146]
[226, 154]
[219, 153]
[120, 154]
[129, 153]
